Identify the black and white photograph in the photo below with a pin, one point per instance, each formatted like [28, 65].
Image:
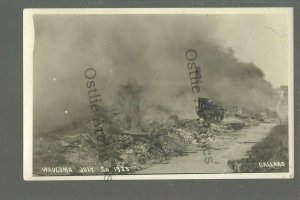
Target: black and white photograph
[165, 93]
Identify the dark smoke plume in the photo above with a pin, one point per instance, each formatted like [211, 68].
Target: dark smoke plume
[147, 49]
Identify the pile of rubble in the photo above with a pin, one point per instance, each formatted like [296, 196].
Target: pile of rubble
[159, 141]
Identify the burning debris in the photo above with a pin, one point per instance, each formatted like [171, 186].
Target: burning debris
[129, 141]
[160, 141]
[126, 139]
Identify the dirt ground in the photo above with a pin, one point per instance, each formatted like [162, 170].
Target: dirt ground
[174, 142]
[234, 147]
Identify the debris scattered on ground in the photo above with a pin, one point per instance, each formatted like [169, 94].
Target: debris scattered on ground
[158, 141]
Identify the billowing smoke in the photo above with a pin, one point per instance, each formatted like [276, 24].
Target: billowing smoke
[232, 82]
[147, 50]
[129, 102]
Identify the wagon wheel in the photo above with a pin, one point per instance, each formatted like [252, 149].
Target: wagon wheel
[222, 116]
[206, 124]
[208, 117]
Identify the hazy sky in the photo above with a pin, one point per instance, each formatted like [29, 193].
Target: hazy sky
[261, 39]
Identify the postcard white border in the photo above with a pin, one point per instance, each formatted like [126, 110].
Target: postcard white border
[28, 45]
